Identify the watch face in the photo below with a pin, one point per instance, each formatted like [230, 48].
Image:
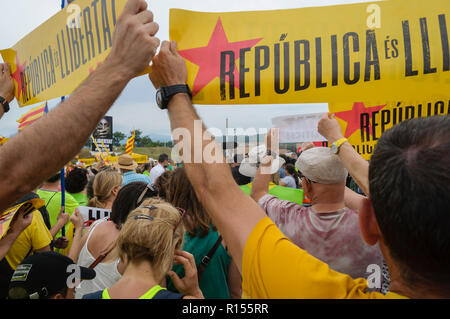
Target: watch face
[159, 98]
[334, 148]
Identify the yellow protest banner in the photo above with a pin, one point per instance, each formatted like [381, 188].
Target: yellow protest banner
[363, 122]
[138, 158]
[359, 52]
[3, 140]
[7, 216]
[55, 58]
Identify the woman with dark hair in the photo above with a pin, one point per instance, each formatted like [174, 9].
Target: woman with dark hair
[161, 184]
[292, 178]
[220, 278]
[76, 181]
[99, 241]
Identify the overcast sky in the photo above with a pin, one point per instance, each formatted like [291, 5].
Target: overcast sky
[136, 107]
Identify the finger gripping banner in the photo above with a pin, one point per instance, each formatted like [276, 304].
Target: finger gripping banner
[55, 58]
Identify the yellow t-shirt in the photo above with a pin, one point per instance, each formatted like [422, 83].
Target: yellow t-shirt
[274, 268]
[34, 237]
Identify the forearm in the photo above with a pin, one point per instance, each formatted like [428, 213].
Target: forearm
[352, 200]
[55, 229]
[56, 138]
[260, 185]
[75, 249]
[6, 243]
[232, 212]
[357, 166]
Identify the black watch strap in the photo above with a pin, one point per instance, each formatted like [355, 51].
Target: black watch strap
[167, 92]
[4, 103]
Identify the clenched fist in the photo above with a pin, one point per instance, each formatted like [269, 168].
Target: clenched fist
[169, 67]
[134, 42]
[6, 82]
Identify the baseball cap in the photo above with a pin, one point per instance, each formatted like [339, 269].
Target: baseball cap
[43, 275]
[321, 165]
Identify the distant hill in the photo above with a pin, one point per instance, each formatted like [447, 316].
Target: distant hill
[158, 137]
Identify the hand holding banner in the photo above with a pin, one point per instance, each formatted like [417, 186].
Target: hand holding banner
[27, 207]
[55, 58]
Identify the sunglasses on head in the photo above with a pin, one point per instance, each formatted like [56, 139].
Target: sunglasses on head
[180, 210]
[141, 197]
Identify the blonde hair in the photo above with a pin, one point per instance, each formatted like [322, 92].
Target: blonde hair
[148, 234]
[104, 183]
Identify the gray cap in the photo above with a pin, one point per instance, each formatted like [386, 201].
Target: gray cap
[321, 165]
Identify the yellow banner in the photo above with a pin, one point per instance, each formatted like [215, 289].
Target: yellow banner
[138, 158]
[363, 123]
[55, 58]
[359, 52]
[7, 215]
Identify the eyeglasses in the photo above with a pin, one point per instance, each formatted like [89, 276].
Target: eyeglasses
[182, 213]
[141, 197]
[180, 210]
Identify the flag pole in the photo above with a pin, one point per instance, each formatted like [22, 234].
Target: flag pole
[63, 184]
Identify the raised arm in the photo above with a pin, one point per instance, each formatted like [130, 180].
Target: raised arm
[233, 213]
[43, 148]
[357, 166]
[260, 186]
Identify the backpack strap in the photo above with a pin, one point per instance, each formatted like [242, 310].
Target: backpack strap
[205, 261]
[166, 294]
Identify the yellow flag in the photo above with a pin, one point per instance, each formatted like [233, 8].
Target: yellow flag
[56, 57]
[375, 64]
[357, 52]
[130, 144]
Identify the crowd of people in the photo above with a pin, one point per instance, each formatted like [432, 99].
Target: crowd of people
[261, 227]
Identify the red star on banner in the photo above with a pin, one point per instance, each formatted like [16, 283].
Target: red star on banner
[16, 76]
[352, 117]
[208, 58]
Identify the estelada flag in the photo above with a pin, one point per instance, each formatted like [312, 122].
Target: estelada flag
[32, 115]
[130, 144]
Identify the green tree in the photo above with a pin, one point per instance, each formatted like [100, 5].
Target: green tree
[117, 138]
[146, 141]
[137, 138]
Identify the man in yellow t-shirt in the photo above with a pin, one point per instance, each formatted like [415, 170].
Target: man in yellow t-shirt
[410, 204]
[35, 238]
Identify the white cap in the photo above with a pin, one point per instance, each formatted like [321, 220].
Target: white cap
[249, 166]
[321, 165]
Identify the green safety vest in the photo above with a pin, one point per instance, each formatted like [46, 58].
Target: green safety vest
[148, 295]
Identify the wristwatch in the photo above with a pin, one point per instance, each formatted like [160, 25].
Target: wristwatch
[336, 145]
[164, 94]
[4, 103]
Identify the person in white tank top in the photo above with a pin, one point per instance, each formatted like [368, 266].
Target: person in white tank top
[107, 273]
[101, 237]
